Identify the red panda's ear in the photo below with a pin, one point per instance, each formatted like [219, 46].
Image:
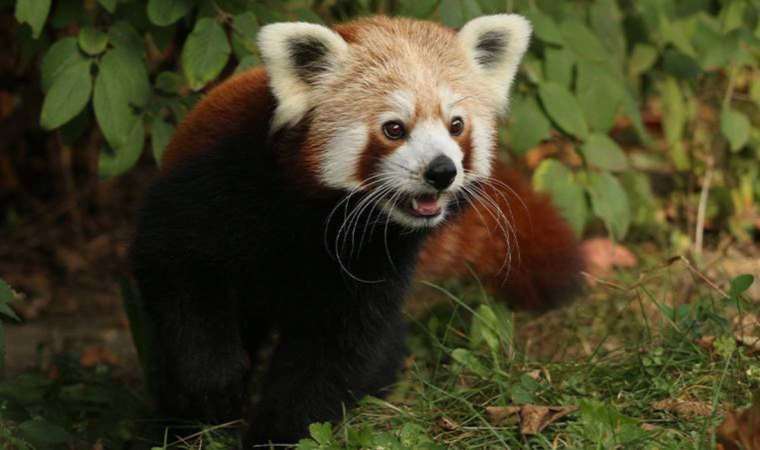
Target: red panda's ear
[297, 57]
[496, 45]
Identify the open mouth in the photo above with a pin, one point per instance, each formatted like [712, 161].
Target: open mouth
[424, 205]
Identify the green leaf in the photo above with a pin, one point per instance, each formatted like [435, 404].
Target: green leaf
[115, 161]
[123, 35]
[108, 5]
[471, 362]
[558, 65]
[600, 95]
[679, 33]
[421, 9]
[754, 91]
[740, 285]
[58, 59]
[642, 59]
[63, 13]
[736, 127]
[169, 82]
[321, 432]
[610, 203]
[43, 434]
[583, 42]
[643, 204]
[563, 108]
[161, 133]
[492, 326]
[6, 296]
[67, 96]
[492, 6]
[122, 85]
[307, 444]
[6, 311]
[34, 13]
[246, 28]
[606, 20]
[680, 65]
[305, 14]
[630, 108]
[455, 13]
[205, 53]
[528, 125]
[602, 152]
[545, 27]
[714, 49]
[249, 62]
[674, 110]
[166, 12]
[732, 15]
[568, 196]
[6, 293]
[92, 41]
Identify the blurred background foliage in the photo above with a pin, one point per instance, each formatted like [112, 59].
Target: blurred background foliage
[640, 118]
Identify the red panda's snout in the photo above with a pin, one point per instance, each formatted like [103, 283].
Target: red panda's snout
[430, 169]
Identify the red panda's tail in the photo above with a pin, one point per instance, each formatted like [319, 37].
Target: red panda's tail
[536, 268]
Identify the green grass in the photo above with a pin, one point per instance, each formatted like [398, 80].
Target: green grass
[613, 354]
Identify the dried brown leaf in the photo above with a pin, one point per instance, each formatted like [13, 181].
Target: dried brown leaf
[498, 415]
[684, 408]
[602, 255]
[447, 424]
[533, 418]
[707, 343]
[92, 356]
[741, 429]
[535, 374]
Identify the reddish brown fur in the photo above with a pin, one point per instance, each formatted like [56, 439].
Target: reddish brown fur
[373, 155]
[545, 263]
[241, 101]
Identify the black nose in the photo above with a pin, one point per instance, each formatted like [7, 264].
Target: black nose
[441, 172]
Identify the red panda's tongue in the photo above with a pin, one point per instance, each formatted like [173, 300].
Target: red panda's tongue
[426, 205]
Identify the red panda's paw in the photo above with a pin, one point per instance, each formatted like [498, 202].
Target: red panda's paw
[215, 393]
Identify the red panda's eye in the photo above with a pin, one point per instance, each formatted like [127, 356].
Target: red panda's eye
[394, 130]
[457, 126]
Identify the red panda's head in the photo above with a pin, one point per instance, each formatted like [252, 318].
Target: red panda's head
[403, 110]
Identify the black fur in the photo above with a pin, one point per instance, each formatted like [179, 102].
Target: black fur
[309, 57]
[231, 246]
[490, 46]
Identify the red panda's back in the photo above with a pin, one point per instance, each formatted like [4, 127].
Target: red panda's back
[241, 103]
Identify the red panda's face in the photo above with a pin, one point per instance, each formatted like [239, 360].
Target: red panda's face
[404, 111]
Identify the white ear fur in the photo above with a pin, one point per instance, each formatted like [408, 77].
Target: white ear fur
[297, 55]
[496, 44]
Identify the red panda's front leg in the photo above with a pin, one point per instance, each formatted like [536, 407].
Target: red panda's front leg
[200, 367]
[321, 367]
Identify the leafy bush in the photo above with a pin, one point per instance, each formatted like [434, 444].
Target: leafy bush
[622, 91]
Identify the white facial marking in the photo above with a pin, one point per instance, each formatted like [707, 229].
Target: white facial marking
[342, 155]
[482, 147]
[430, 139]
[406, 166]
[449, 100]
[401, 103]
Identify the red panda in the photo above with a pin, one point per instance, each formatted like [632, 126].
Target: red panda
[299, 198]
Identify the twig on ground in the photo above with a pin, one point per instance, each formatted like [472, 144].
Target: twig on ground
[703, 277]
[701, 211]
